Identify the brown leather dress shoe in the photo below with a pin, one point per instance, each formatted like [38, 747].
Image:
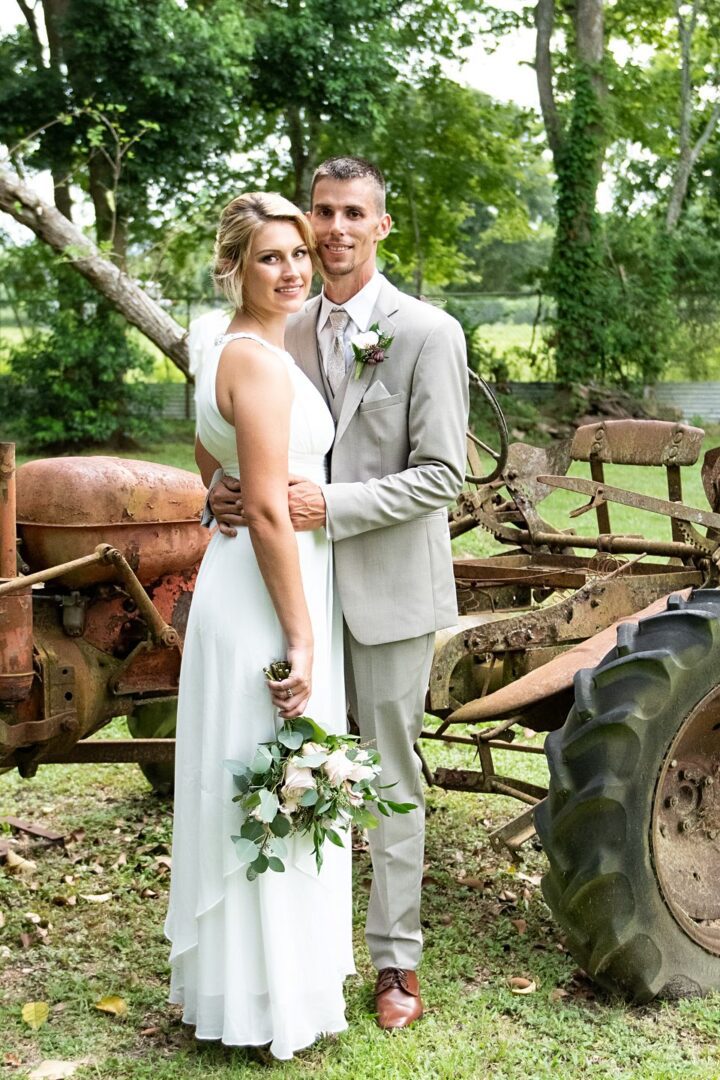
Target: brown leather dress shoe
[397, 996]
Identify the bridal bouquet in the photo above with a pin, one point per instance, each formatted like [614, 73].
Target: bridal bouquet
[305, 782]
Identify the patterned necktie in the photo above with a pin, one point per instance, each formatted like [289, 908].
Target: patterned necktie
[339, 319]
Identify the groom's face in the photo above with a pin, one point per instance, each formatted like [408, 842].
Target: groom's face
[349, 222]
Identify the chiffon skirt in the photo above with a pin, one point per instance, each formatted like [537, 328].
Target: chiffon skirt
[252, 962]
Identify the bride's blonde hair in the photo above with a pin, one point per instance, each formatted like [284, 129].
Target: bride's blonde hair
[239, 222]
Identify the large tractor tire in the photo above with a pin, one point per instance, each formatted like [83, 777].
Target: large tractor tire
[631, 825]
[155, 720]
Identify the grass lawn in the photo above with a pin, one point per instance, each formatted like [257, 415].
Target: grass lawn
[87, 923]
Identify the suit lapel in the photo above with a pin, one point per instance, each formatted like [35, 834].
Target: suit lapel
[305, 350]
[385, 307]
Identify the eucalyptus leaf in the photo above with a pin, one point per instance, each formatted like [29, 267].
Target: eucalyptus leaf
[280, 825]
[251, 873]
[269, 805]
[262, 761]
[237, 768]
[261, 864]
[292, 739]
[313, 761]
[245, 849]
[309, 797]
[277, 847]
[323, 806]
[276, 865]
[252, 829]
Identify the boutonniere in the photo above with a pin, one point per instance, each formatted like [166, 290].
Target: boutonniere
[370, 348]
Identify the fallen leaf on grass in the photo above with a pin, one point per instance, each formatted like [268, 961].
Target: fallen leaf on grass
[163, 862]
[150, 1031]
[64, 901]
[507, 897]
[96, 898]
[112, 1004]
[520, 925]
[13, 1060]
[25, 941]
[120, 861]
[35, 1013]
[16, 864]
[558, 994]
[472, 882]
[2, 920]
[55, 1070]
[520, 985]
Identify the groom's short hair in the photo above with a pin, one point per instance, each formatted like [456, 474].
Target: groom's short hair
[351, 168]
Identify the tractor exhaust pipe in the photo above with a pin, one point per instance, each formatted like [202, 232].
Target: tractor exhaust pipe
[16, 623]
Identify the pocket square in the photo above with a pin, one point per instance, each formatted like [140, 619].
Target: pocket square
[376, 392]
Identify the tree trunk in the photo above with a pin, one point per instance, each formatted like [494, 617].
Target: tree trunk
[578, 153]
[688, 154]
[49, 225]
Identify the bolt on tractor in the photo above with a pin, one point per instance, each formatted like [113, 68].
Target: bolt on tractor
[610, 642]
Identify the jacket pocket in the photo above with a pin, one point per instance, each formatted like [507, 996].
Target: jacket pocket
[381, 403]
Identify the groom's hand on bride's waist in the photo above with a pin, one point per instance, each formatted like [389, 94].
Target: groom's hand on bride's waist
[305, 502]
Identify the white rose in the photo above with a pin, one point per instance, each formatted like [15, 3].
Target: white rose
[297, 781]
[360, 772]
[312, 748]
[338, 767]
[366, 340]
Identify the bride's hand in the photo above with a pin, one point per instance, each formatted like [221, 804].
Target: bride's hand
[298, 682]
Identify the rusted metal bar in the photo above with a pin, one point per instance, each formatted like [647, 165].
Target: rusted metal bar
[496, 744]
[161, 632]
[8, 513]
[602, 510]
[17, 584]
[16, 620]
[514, 792]
[109, 751]
[634, 499]
[515, 833]
[38, 831]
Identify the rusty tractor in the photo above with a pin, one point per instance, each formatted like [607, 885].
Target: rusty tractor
[609, 642]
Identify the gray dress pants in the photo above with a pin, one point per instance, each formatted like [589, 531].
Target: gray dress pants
[386, 687]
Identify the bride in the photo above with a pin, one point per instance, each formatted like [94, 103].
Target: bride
[263, 961]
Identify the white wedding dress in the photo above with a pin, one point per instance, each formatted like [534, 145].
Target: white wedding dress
[263, 961]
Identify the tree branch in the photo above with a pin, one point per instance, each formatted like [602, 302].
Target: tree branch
[544, 24]
[30, 19]
[687, 155]
[49, 225]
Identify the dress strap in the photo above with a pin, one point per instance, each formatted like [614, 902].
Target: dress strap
[223, 339]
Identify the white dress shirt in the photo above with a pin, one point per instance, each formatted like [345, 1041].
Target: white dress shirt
[359, 307]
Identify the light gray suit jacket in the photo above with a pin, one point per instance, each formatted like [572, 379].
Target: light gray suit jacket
[397, 461]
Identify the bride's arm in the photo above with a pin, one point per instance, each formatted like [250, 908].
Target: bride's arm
[205, 462]
[259, 393]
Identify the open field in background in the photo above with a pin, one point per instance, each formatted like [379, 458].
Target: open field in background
[88, 923]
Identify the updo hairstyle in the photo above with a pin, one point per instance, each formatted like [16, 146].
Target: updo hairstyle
[239, 222]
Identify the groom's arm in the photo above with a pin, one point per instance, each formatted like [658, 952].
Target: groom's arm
[437, 422]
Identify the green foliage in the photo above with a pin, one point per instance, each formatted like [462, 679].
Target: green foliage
[170, 73]
[576, 279]
[73, 383]
[462, 171]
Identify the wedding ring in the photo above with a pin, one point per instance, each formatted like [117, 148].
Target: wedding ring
[288, 693]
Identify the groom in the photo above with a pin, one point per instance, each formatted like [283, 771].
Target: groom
[397, 461]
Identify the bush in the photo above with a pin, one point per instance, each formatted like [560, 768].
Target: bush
[74, 382]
